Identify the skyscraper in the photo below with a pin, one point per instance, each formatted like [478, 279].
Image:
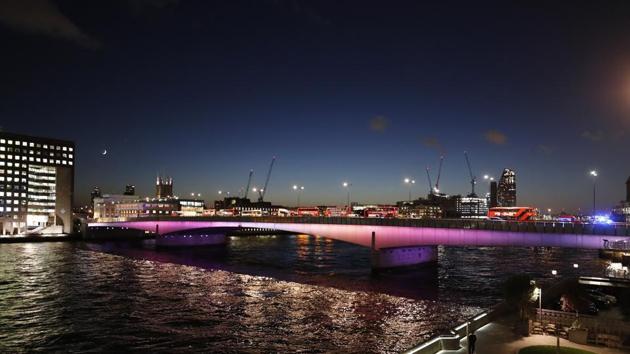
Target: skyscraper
[493, 194]
[164, 187]
[507, 188]
[36, 184]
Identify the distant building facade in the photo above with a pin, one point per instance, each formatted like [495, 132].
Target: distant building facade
[472, 207]
[111, 207]
[130, 189]
[506, 193]
[164, 187]
[420, 209]
[36, 184]
[239, 205]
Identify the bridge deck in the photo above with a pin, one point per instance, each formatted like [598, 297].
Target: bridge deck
[406, 232]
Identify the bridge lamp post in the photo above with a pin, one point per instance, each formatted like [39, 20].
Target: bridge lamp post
[299, 191]
[594, 174]
[410, 182]
[348, 185]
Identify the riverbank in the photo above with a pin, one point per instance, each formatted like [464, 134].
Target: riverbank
[499, 337]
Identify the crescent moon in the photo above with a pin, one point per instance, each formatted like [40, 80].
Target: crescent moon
[104, 152]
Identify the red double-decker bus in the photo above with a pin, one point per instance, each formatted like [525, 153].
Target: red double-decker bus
[308, 211]
[512, 213]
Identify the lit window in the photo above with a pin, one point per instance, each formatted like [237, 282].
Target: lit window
[65, 148]
[2, 141]
[10, 142]
[71, 149]
[70, 163]
[31, 144]
[24, 143]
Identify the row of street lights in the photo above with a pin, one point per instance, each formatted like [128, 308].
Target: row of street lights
[408, 181]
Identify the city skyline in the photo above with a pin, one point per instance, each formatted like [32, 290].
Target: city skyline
[366, 94]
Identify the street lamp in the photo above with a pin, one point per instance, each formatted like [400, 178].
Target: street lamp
[348, 185]
[410, 182]
[593, 174]
[538, 293]
[299, 191]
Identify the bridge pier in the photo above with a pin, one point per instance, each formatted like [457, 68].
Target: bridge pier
[395, 257]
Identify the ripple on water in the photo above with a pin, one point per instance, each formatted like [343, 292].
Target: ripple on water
[58, 297]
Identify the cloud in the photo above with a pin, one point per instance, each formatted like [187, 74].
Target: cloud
[433, 143]
[594, 136]
[495, 137]
[379, 124]
[43, 17]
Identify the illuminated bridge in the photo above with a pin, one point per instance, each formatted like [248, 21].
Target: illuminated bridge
[394, 242]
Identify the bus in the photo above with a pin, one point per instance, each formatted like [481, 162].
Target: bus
[308, 211]
[252, 212]
[380, 212]
[512, 213]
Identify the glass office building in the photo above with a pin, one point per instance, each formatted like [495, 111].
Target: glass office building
[36, 184]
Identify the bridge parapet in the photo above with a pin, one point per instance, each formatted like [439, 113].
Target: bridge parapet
[543, 227]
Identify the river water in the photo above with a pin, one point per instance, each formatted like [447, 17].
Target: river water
[258, 294]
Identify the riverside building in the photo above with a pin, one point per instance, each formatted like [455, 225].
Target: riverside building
[36, 184]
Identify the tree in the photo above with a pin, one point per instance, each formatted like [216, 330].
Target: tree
[518, 291]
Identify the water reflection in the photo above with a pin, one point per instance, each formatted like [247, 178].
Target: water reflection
[257, 294]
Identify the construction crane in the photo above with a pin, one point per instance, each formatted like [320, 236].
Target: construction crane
[249, 181]
[437, 182]
[263, 191]
[473, 179]
[430, 184]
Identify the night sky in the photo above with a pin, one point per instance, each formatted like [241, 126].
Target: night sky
[365, 91]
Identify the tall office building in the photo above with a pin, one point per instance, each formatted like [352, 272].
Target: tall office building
[507, 188]
[164, 187]
[36, 184]
[493, 194]
[130, 189]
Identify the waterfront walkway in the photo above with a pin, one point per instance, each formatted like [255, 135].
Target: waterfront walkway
[499, 338]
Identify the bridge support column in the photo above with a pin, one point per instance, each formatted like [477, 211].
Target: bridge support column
[403, 256]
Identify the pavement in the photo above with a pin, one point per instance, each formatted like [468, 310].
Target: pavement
[499, 338]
